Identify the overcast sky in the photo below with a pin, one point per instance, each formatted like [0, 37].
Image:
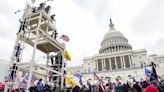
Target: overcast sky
[87, 21]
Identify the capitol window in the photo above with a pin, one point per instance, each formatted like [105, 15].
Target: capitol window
[107, 63]
[118, 62]
[127, 63]
[99, 65]
[113, 63]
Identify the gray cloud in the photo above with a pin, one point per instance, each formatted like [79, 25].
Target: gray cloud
[9, 25]
[157, 47]
[148, 26]
[5, 7]
[99, 8]
[9, 21]
[150, 19]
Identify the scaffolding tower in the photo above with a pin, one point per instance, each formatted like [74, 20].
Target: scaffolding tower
[38, 30]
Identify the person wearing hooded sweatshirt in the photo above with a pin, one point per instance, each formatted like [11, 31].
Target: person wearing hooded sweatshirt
[137, 87]
[151, 88]
[40, 86]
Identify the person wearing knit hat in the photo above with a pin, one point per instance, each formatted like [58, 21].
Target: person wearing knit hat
[151, 88]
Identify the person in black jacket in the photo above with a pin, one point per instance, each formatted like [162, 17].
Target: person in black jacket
[13, 72]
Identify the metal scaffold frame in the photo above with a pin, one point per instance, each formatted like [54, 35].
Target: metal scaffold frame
[38, 26]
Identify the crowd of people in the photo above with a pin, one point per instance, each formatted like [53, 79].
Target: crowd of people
[151, 85]
[135, 86]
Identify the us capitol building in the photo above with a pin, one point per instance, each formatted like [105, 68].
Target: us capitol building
[116, 59]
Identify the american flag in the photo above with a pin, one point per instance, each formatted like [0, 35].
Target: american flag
[96, 77]
[102, 89]
[65, 38]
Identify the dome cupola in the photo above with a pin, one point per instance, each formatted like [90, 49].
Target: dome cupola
[114, 41]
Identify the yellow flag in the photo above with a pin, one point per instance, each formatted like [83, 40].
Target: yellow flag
[67, 56]
[71, 73]
[70, 82]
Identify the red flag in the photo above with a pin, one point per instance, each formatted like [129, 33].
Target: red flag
[65, 38]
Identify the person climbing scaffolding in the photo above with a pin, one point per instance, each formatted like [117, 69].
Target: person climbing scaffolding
[18, 52]
[22, 26]
[13, 72]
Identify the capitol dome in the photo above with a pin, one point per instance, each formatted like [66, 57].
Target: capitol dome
[114, 41]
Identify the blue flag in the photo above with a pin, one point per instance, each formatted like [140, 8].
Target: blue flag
[33, 1]
[80, 81]
[79, 75]
[148, 71]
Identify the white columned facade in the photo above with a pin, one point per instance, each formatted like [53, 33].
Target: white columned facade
[118, 51]
[121, 62]
[133, 63]
[130, 61]
[123, 47]
[124, 62]
[110, 63]
[104, 64]
[119, 48]
[115, 62]
[102, 60]
[97, 65]
[101, 63]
